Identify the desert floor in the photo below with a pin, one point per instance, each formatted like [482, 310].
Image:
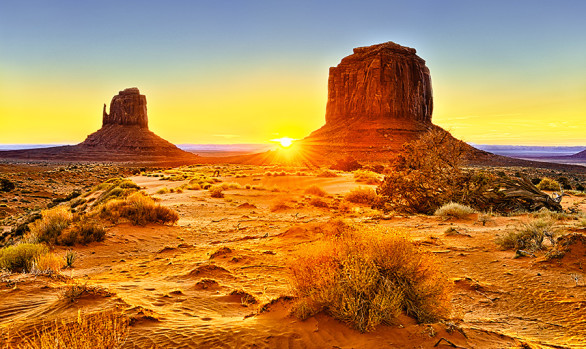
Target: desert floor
[219, 278]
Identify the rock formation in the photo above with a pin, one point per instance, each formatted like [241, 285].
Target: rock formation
[127, 108]
[378, 98]
[124, 136]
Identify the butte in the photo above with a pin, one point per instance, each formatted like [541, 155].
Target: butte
[123, 137]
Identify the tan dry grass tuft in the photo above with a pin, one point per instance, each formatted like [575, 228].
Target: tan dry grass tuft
[368, 280]
[107, 329]
[454, 210]
[48, 263]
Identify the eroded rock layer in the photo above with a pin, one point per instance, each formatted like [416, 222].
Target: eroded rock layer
[379, 98]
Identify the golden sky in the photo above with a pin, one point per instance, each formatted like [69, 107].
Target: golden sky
[249, 72]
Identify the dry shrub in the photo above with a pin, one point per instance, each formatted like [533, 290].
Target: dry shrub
[83, 232]
[317, 202]
[50, 227]
[453, 210]
[327, 174]
[315, 190]
[76, 290]
[365, 281]
[360, 195]
[230, 185]
[216, 192]
[548, 184]
[193, 186]
[426, 175]
[107, 329]
[47, 263]
[163, 190]
[279, 206]
[115, 188]
[367, 177]
[20, 258]
[530, 236]
[139, 209]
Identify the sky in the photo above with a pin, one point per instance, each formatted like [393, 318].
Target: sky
[503, 72]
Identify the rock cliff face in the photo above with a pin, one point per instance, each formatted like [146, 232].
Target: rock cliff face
[127, 108]
[379, 98]
[386, 82]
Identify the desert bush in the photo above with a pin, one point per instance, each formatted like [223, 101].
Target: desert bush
[530, 236]
[163, 190]
[21, 257]
[216, 192]
[50, 227]
[279, 206]
[360, 195]
[139, 209]
[548, 184]
[315, 190]
[327, 174]
[6, 185]
[347, 164]
[115, 188]
[230, 185]
[426, 175]
[317, 202]
[367, 177]
[453, 210]
[70, 257]
[106, 329]
[193, 186]
[86, 231]
[47, 263]
[368, 281]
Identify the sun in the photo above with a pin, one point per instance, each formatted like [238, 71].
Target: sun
[285, 142]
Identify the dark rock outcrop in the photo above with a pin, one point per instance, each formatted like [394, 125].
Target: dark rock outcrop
[127, 108]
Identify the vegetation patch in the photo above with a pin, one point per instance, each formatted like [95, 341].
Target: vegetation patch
[530, 236]
[315, 190]
[454, 210]
[367, 279]
[139, 209]
[360, 195]
[20, 258]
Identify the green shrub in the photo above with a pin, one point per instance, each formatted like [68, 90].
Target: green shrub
[20, 258]
[548, 184]
[453, 210]
[365, 281]
[362, 195]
